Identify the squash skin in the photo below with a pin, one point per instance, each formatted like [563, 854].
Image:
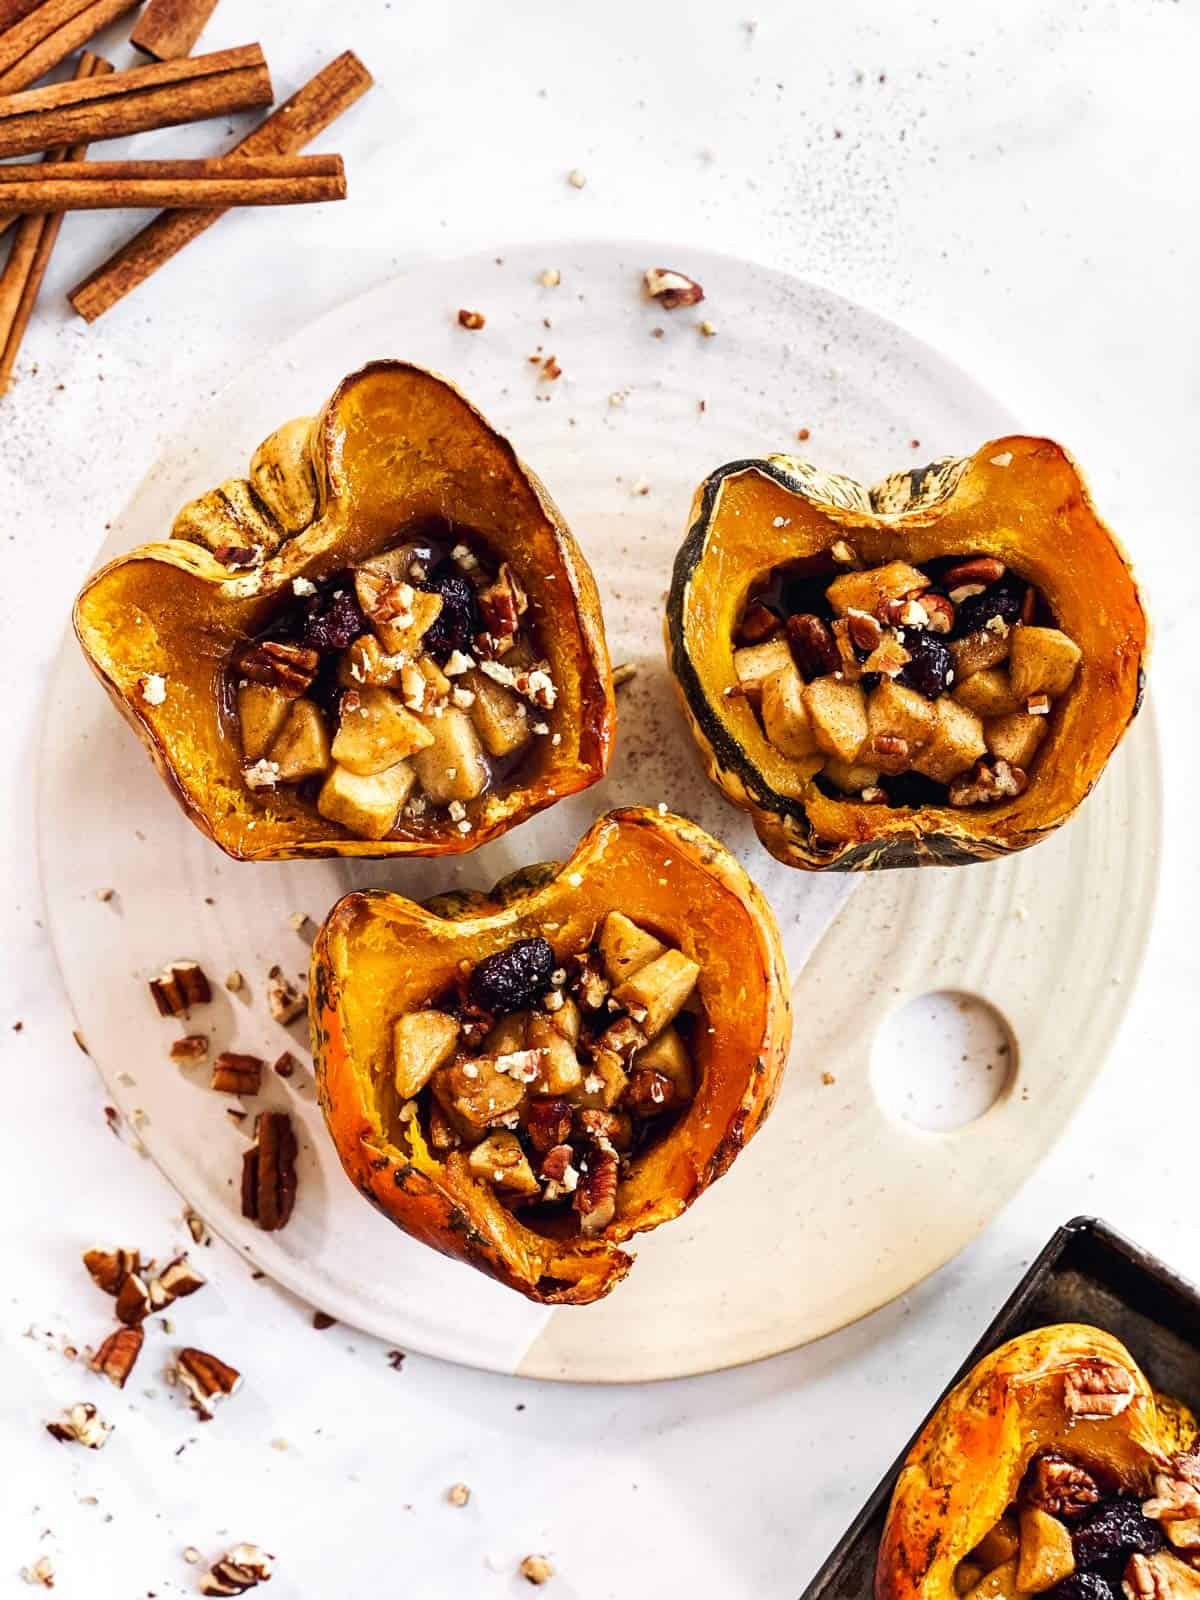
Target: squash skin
[394, 444]
[378, 953]
[965, 1467]
[1034, 513]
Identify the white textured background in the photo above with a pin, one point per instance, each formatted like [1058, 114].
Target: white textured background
[1019, 187]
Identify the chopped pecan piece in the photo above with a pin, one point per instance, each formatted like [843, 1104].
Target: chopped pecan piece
[269, 1172]
[590, 987]
[207, 1379]
[290, 668]
[865, 633]
[649, 1093]
[502, 604]
[244, 1567]
[596, 1194]
[284, 1001]
[812, 645]
[940, 611]
[1056, 1485]
[286, 1066]
[474, 320]
[176, 1281]
[110, 1268]
[383, 597]
[622, 1038]
[235, 1074]
[556, 1162]
[548, 1123]
[81, 1424]
[984, 784]
[1096, 1389]
[178, 987]
[116, 1356]
[672, 289]
[133, 1301]
[1177, 1492]
[983, 570]
[758, 623]
[192, 1047]
[889, 753]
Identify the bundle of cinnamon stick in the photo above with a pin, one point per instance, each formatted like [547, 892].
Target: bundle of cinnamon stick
[63, 119]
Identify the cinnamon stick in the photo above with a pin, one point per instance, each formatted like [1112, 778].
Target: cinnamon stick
[114, 185]
[48, 33]
[157, 96]
[309, 112]
[21, 280]
[169, 28]
[11, 12]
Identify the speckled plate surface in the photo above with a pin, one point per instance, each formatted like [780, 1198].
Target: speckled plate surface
[842, 1202]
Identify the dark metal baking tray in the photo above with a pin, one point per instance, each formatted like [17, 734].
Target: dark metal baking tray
[1087, 1273]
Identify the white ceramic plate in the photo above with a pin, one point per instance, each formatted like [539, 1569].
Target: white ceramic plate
[842, 1202]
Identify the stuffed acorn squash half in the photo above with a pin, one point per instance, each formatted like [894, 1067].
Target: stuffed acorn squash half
[383, 641]
[934, 670]
[527, 1078]
[1052, 1469]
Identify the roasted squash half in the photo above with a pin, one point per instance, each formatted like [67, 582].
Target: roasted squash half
[1020, 500]
[379, 956]
[1052, 1462]
[395, 448]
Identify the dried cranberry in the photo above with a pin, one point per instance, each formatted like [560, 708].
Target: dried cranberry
[1084, 1586]
[1003, 599]
[512, 979]
[458, 621]
[931, 664]
[337, 619]
[1112, 1533]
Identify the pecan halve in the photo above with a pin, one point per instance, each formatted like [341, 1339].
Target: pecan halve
[1176, 1492]
[116, 1355]
[596, 1194]
[269, 1172]
[237, 1074]
[1060, 1487]
[290, 668]
[1096, 1389]
[890, 753]
[207, 1380]
[180, 985]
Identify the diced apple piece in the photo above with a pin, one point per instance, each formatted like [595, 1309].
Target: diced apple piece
[1000, 1584]
[453, 767]
[262, 710]
[376, 731]
[422, 1042]
[863, 591]
[838, 713]
[301, 748]
[367, 806]
[367, 665]
[988, 693]
[561, 1072]
[625, 948]
[474, 1095]
[1043, 661]
[784, 714]
[500, 1161]
[403, 636]
[506, 1037]
[656, 994]
[851, 777]
[1015, 738]
[567, 1019]
[957, 742]
[966, 1576]
[604, 1083]
[438, 682]
[1046, 1556]
[668, 1055]
[498, 714]
[998, 1545]
[900, 713]
[986, 648]
[755, 663]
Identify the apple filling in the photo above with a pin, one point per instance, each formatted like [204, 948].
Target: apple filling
[397, 693]
[545, 1081]
[900, 685]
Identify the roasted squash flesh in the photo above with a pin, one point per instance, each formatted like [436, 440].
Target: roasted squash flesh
[437, 1030]
[1065, 678]
[396, 455]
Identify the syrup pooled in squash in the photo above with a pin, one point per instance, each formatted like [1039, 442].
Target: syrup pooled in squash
[554, 1078]
[904, 685]
[396, 693]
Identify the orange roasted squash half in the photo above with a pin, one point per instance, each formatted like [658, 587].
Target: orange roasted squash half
[1052, 1468]
[1018, 505]
[380, 958]
[397, 454]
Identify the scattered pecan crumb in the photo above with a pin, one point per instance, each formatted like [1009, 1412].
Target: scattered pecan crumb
[708, 329]
[284, 1001]
[81, 1424]
[105, 895]
[395, 1359]
[191, 1555]
[536, 1569]
[75, 1034]
[828, 1078]
[803, 435]
[458, 1494]
[244, 1567]
[207, 1379]
[197, 1227]
[322, 1320]
[234, 982]
[286, 1065]
[551, 278]
[551, 369]
[117, 1354]
[576, 178]
[671, 289]
[192, 1047]
[471, 319]
[42, 1571]
[298, 921]
[180, 985]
